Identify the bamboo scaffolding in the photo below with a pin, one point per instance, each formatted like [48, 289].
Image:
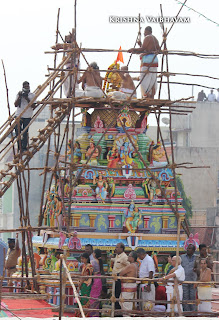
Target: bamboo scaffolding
[161, 106]
[159, 73]
[74, 289]
[39, 91]
[113, 299]
[32, 119]
[24, 295]
[2, 278]
[165, 52]
[191, 84]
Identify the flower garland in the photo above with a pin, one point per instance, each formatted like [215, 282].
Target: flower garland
[109, 74]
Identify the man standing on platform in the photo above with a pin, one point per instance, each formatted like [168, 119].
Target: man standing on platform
[179, 274]
[119, 262]
[201, 96]
[149, 63]
[11, 259]
[203, 255]
[211, 96]
[147, 289]
[129, 287]
[188, 262]
[22, 100]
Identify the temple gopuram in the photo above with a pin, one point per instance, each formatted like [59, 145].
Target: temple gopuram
[116, 199]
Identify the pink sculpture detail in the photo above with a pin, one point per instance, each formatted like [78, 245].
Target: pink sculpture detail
[130, 193]
[192, 240]
[144, 122]
[61, 239]
[98, 125]
[74, 242]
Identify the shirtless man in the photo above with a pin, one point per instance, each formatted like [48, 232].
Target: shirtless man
[11, 259]
[129, 287]
[149, 62]
[92, 81]
[127, 85]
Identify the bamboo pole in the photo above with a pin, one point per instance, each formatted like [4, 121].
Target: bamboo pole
[159, 73]
[24, 295]
[74, 289]
[113, 299]
[166, 52]
[32, 119]
[60, 288]
[55, 124]
[2, 278]
[39, 91]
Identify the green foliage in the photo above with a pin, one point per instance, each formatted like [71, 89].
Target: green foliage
[187, 202]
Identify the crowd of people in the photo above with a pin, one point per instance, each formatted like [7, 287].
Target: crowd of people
[152, 295]
[210, 98]
[136, 270]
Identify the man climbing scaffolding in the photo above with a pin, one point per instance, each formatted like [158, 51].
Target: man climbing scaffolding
[22, 100]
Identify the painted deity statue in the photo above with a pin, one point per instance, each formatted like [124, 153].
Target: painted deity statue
[124, 118]
[58, 212]
[113, 157]
[156, 154]
[112, 187]
[112, 80]
[76, 153]
[48, 259]
[96, 153]
[43, 255]
[86, 118]
[126, 153]
[53, 212]
[101, 189]
[136, 159]
[133, 218]
[150, 189]
[49, 211]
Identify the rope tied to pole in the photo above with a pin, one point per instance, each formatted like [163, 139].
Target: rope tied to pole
[115, 277]
[113, 299]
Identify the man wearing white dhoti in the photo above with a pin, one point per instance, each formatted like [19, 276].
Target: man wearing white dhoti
[147, 289]
[129, 287]
[149, 63]
[204, 290]
[92, 81]
[127, 86]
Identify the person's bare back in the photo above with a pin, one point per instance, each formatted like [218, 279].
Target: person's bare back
[91, 77]
[127, 82]
[150, 43]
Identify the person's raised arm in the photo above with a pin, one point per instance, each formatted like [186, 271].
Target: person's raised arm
[142, 49]
[18, 99]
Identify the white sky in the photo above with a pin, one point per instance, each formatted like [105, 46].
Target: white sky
[28, 28]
